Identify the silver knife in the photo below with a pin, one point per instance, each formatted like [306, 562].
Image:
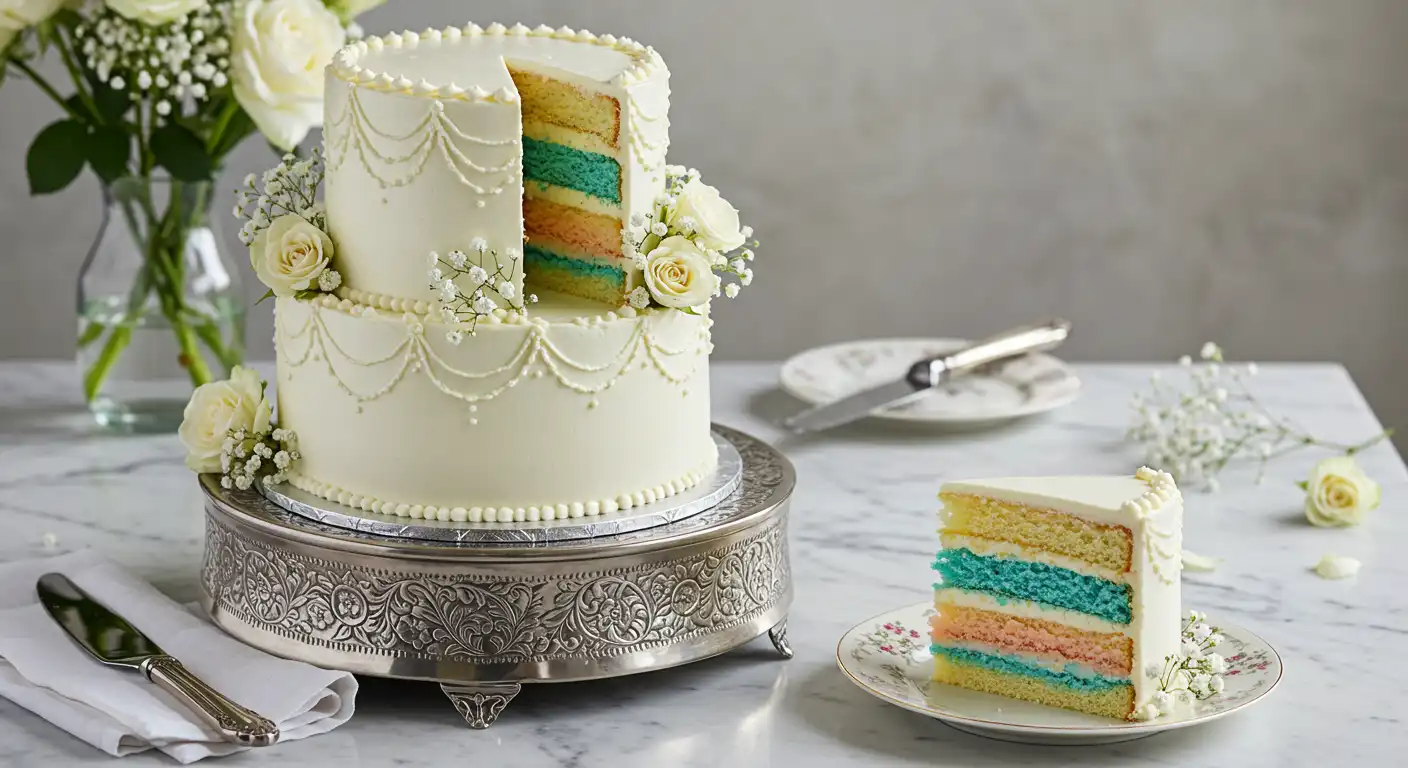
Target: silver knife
[113, 641]
[926, 374]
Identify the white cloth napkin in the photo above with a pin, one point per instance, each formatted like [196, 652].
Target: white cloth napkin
[119, 711]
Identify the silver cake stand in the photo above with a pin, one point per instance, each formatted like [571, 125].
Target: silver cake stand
[482, 617]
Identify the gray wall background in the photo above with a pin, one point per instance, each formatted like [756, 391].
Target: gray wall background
[1160, 173]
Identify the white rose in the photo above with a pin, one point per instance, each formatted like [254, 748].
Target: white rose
[18, 15]
[715, 221]
[280, 49]
[677, 273]
[1338, 493]
[155, 12]
[218, 408]
[290, 254]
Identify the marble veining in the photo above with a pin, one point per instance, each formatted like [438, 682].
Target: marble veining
[1342, 641]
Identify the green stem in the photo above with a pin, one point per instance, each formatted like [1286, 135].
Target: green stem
[222, 123]
[76, 73]
[121, 334]
[44, 86]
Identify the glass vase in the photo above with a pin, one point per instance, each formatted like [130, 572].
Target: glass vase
[160, 306]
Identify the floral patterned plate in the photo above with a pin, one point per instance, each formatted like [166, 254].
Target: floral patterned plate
[1005, 390]
[888, 657]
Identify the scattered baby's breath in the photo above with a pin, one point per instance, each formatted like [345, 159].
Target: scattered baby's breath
[1195, 431]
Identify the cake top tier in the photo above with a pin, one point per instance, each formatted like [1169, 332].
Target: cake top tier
[467, 63]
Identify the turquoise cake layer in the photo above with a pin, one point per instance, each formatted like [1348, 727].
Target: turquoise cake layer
[535, 256]
[1038, 582]
[586, 172]
[1083, 680]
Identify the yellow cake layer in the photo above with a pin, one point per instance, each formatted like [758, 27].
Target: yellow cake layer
[1112, 702]
[539, 190]
[546, 100]
[1105, 546]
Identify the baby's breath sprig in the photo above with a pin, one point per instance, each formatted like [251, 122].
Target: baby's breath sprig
[457, 307]
[1195, 672]
[174, 64]
[248, 455]
[1196, 431]
[291, 187]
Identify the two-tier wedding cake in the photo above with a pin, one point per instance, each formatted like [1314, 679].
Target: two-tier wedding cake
[500, 309]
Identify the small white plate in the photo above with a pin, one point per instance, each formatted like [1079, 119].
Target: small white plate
[888, 657]
[1006, 390]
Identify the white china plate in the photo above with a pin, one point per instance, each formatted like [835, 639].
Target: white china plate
[888, 657]
[1006, 390]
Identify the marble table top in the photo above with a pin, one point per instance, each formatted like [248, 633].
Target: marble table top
[863, 521]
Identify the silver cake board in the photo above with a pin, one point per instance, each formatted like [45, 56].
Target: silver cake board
[482, 618]
[714, 488]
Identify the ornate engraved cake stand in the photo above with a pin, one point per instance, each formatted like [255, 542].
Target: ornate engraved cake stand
[483, 618]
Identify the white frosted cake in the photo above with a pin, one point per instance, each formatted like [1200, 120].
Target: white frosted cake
[502, 311]
[1060, 590]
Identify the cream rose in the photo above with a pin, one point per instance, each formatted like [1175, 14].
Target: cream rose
[155, 12]
[715, 221]
[677, 273]
[290, 254]
[280, 50]
[218, 408]
[18, 15]
[1339, 494]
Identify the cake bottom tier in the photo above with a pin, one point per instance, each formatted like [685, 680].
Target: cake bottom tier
[1000, 676]
[574, 411]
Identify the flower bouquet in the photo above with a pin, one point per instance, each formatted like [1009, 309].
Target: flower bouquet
[159, 93]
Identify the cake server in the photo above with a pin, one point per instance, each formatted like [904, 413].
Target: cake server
[111, 640]
[930, 373]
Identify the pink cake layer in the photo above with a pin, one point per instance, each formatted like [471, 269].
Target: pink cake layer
[1109, 654]
[573, 231]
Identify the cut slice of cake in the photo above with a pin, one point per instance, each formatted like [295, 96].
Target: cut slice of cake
[1059, 590]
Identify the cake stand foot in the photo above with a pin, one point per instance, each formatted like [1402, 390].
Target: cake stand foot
[480, 703]
[778, 636]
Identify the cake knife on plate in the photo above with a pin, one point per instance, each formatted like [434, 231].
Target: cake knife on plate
[929, 373]
[111, 640]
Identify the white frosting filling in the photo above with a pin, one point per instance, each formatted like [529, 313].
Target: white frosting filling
[982, 546]
[1028, 610]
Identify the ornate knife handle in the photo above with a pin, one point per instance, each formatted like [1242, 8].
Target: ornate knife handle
[234, 722]
[1018, 341]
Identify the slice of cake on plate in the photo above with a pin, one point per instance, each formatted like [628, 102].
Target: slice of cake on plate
[1059, 590]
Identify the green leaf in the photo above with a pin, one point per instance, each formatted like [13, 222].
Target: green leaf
[240, 128]
[1303, 485]
[181, 153]
[112, 104]
[67, 17]
[56, 157]
[109, 149]
[92, 330]
[305, 295]
[269, 294]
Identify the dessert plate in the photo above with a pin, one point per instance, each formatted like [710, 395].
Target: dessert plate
[888, 657]
[1005, 390]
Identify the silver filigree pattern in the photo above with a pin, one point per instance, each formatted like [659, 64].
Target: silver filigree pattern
[493, 619]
